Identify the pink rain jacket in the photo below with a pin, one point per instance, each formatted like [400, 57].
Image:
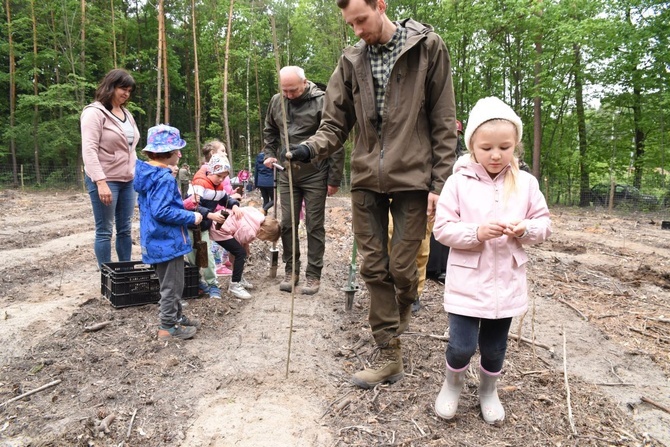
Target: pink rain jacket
[244, 229]
[487, 279]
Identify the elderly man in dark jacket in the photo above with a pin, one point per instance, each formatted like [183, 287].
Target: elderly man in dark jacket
[313, 182]
[396, 85]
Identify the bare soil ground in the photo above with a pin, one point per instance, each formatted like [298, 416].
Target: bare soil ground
[597, 375]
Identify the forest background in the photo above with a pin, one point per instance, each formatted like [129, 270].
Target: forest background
[589, 78]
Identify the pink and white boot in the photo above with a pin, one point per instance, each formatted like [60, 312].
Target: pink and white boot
[492, 410]
[446, 403]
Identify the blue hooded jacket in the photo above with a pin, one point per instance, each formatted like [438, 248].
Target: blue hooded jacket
[264, 177]
[163, 219]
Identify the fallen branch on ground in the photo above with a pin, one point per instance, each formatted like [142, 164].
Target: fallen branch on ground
[30, 393]
[103, 426]
[96, 327]
[655, 404]
[130, 426]
[567, 385]
[561, 300]
[530, 342]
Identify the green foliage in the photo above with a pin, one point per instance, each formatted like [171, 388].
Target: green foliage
[516, 50]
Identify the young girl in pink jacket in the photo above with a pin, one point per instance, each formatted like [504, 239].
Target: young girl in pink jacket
[235, 235]
[487, 211]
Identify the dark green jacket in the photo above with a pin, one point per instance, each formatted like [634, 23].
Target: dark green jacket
[417, 147]
[303, 115]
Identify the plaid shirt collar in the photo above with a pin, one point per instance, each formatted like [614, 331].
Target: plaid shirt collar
[382, 60]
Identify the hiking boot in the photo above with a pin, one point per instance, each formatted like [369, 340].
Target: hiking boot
[176, 331]
[238, 290]
[311, 286]
[386, 366]
[215, 292]
[286, 285]
[246, 284]
[185, 321]
[405, 312]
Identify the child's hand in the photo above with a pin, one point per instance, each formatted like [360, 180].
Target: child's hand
[216, 217]
[237, 211]
[491, 230]
[515, 229]
[198, 218]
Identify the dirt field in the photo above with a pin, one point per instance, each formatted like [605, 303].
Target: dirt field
[598, 374]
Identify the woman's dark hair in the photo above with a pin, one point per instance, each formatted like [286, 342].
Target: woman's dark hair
[113, 79]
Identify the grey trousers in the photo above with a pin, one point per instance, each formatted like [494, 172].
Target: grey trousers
[171, 280]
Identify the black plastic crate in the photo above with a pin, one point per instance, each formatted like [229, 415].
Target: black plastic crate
[133, 283]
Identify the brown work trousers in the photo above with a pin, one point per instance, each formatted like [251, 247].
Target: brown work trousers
[390, 279]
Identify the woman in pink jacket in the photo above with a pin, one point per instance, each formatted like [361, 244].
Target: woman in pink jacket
[235, 235]
[109, 136]
[487, 211]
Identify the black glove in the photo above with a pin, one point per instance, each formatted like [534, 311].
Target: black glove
[300, 153]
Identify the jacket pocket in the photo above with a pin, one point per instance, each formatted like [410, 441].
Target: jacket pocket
[466, 259]
[520, 258]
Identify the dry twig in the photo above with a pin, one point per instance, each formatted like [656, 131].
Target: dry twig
[130, 426]
[30, 393]
[561, 300]
[96, 327]
[530, 342]
[655, 404]
[567, 385]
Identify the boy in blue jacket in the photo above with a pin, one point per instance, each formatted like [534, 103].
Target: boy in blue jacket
[163, 234]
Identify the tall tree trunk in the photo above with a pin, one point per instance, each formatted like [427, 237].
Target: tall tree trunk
[638, 160]
[248, 117]
[111, 7]
[584, 198]
[82, 89]
[166, 77]
[159, 69]
[225, 83]
[12, 92]
[537, 111]
[258, 102]
[36, 146]
[196, 82]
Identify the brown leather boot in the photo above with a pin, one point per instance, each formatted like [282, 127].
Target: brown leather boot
[386, 366]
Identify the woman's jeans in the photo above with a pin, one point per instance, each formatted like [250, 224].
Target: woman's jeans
[120, 211]
[466, 332]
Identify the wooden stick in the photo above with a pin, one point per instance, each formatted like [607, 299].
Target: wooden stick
[103, 426]
[567, 385]
[96, 327]
[560, 300]
[130, 426]
[655, 404]
[530, 342]
[290, 188]
[30, 393]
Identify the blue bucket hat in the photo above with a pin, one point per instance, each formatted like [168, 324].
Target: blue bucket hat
[163, 138]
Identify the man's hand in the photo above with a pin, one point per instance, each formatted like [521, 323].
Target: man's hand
[332, 190]
[269, 161]
[432, 205]
[300, 153]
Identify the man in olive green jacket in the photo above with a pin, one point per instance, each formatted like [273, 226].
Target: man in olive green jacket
[396, 85]
[312, 182]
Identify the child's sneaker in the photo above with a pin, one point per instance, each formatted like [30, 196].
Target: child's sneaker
[215, 292]
[222, 270]
[246, 284]
[176, 331]
[238, 290]
[203, 288]
[185, 321]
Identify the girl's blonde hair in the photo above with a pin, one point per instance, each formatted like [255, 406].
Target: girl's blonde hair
[509, 184]
[270, 230]
[212, 147]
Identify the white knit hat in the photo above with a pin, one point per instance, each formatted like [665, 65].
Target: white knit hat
[488, 109]
[218, 164]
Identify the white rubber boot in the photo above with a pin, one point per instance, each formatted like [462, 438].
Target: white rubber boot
[446, 403]
[492, 410]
